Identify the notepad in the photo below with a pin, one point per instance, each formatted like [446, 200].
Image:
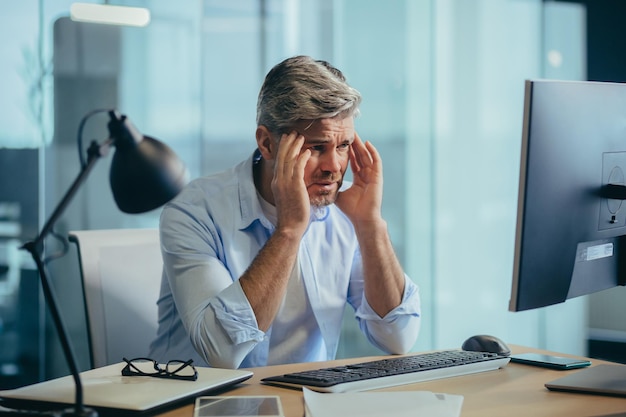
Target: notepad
[106, 388]
[382, 403]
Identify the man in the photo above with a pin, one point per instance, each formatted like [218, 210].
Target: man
[260, 260]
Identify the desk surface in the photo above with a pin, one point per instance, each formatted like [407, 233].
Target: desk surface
[516, 390]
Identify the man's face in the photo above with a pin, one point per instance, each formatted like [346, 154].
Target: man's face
[329, 141]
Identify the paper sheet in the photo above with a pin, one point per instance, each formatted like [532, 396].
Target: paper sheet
[376, 404]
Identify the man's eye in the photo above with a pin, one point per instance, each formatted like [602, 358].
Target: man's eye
[317, 148]
[344, 146]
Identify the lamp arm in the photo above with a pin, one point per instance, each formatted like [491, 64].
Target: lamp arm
[36, 248]
[94, 152]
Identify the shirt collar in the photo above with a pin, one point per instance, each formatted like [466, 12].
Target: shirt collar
[250, 208]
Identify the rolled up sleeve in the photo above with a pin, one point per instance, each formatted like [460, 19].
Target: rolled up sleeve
[226, 331]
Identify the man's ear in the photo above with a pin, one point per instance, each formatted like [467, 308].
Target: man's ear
[265, 142]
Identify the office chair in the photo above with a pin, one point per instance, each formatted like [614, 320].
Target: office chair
[121, 275]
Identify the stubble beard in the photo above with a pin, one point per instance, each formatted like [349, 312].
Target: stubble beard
[325, 198]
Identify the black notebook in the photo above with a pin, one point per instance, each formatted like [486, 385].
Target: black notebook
[600, 379]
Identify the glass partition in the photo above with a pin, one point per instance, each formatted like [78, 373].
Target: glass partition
[442, 82]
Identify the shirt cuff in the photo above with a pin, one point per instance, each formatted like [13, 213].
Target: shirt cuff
[410, 305]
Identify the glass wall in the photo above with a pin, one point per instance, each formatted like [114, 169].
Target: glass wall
[483, 53]
[442, 82]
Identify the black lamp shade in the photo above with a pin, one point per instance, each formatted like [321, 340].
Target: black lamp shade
[145, 173]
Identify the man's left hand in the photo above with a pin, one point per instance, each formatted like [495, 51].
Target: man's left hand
[363, 200]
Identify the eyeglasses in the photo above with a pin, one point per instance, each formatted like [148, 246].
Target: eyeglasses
[174, 369]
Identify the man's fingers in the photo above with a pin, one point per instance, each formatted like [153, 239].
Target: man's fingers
[373, 153]
[362, 154]
[288, 152]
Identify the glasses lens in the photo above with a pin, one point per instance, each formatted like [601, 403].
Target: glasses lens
[180, 368]
[143, 366]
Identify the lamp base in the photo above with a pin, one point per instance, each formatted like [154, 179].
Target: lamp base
[69, 412]
[72, 412]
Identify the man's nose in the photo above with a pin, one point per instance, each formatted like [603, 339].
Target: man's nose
[331, 161]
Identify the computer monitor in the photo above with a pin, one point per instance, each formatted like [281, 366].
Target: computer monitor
[571, 218]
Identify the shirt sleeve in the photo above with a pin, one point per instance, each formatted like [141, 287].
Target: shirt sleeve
[211, 304]
[397, 332]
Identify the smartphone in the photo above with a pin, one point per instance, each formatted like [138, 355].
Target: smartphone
[549, 361]
[233, 406]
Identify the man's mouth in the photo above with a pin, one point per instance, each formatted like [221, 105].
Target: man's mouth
[325, 185]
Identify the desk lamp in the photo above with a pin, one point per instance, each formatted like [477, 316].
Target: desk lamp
[145, 174]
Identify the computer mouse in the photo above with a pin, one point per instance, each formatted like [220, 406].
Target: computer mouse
[486, 343]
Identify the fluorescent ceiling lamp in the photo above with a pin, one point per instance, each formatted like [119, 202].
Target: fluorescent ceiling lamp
[112, 15]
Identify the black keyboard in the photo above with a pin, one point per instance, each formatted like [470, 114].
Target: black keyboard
[392, 371]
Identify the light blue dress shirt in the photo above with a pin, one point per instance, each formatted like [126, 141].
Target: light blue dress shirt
[210, 234]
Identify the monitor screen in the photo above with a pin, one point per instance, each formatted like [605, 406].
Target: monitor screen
[571, 210]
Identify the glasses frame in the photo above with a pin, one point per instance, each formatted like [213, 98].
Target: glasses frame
[160, 371]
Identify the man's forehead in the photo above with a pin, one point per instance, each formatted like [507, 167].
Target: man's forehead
[327, 139]
[326, 130]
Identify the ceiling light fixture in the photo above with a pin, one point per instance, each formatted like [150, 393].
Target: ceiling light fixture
[108, 14]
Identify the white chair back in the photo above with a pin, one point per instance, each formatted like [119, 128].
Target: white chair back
[121, 275]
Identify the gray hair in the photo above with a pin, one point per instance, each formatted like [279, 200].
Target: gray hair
[301, 88]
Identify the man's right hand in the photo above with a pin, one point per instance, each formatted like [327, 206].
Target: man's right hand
[288, 187]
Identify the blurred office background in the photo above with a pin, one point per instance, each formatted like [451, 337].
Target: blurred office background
[443, 84]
